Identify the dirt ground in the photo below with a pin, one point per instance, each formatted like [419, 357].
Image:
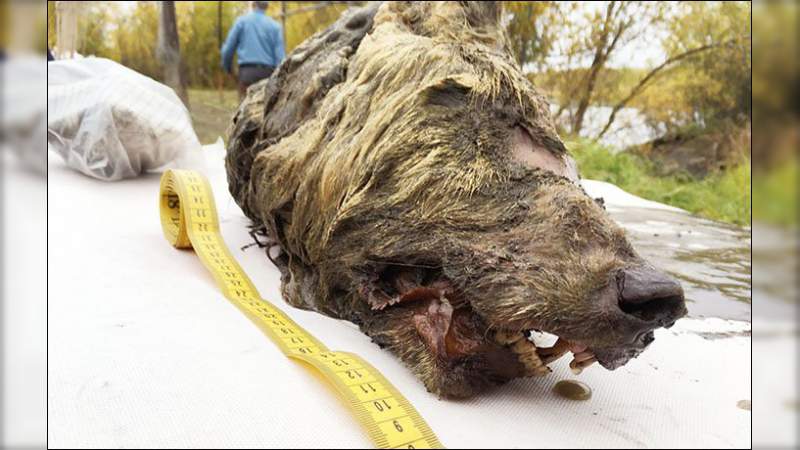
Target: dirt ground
[211, 111]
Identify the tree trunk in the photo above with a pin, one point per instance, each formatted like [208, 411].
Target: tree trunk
[523, 48]
[598, 62]
[219, 46]
[591, 79]
[168, 51]
[643, 82]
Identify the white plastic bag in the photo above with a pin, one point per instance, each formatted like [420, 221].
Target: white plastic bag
[110, 122]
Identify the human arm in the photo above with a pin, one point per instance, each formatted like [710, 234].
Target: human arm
[229, 47]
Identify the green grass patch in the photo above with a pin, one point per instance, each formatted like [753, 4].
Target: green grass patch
[775, 195]
[723, 196]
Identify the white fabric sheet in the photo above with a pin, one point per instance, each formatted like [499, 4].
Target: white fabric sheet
[145, 352]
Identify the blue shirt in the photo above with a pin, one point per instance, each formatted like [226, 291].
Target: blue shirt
[256, 38]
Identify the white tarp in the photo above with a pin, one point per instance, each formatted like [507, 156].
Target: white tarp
[145, 352]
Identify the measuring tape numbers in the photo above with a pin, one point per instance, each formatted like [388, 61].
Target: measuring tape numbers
[189, 220]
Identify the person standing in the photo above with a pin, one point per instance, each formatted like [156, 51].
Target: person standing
[257, 40]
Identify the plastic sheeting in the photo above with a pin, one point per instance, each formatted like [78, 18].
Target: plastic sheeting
[110, 122]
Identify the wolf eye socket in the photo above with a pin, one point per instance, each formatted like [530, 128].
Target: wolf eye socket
[526, 151]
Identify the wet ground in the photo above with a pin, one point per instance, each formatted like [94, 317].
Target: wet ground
[711, 259]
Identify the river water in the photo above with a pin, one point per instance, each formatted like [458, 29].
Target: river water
[630, 126]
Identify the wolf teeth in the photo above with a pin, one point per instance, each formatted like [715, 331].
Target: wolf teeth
[535, 359]
[526, 352]
[550, 354]
[581, 361]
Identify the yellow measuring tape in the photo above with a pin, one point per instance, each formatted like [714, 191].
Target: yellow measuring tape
[189, 220]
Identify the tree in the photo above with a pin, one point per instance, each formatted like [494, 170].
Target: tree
[699, 60]
[135, 39]
[703, 81]
[168, 51]
[531, 30]
[94, 29]
[131, 35]
[725, 68]
[644, 82]
[604, 42]
[611, 28]
[302, 19]
[51, 23]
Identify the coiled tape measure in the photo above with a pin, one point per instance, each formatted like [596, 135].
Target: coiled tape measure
[189, 220]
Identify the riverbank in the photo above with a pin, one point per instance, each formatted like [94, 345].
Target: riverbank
[722, 196]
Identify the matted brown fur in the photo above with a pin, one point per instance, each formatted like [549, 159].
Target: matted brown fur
[381, 158]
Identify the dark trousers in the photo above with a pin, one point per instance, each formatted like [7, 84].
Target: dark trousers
[252, 73]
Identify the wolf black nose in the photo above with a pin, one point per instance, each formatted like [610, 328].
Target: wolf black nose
[651, 295]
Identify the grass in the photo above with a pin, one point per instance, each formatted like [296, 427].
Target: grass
[723, 196]
[211, 112]
[775, 195]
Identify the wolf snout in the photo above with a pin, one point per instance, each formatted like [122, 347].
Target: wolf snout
[650, 295]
